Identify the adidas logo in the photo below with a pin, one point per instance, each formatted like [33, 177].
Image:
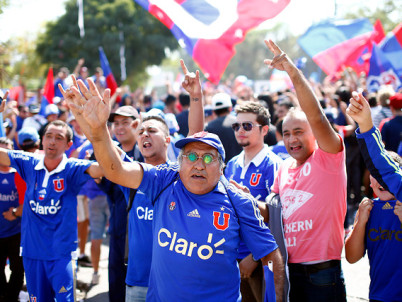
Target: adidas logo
[194, 213]
[387, 206]
[4, 182]
[62, 290]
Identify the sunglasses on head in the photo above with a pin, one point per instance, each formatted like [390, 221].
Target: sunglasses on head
[247, 126]
[206, 158]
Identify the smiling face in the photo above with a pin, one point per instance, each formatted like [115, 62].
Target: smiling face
[55, 142]
[153, 141]
[298, 137]
[198, 177]
[123, 129]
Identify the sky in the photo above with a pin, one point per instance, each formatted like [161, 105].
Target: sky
[27, 17]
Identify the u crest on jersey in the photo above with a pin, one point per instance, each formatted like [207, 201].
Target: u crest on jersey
[217, 224]
[255, 179]
[58, 184]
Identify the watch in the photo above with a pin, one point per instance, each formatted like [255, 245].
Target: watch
[15, 213]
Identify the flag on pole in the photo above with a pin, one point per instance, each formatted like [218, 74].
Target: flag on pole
[48, 92]
[330, 43]
[381, 72]
[216, 26]
[107, 72]
[80, 4]
[391, 46]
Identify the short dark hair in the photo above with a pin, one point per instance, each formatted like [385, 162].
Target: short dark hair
[159, 119]
[59, 123]
[263, 116]
[170, 99]
[184, 99]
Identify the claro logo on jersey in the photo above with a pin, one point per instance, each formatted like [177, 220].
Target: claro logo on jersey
[188, 248]
[52, 209]
[145, 213]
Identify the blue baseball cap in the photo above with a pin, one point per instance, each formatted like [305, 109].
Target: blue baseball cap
[28, 133]
[203, 137]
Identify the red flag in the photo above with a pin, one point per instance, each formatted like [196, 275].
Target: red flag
[49, 87]
[359, 60]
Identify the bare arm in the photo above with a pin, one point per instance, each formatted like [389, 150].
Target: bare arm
[4, 159]
[279, 271]
[92, 112]
[354, 245]
[326, 137]
[192, 85]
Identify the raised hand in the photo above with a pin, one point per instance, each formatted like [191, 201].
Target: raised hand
[359, 111]
[363, 213]
[398, 210]
[3, 101]
[281, 61]
[191, 83]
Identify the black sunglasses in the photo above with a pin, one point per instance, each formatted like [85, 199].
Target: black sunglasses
[247, 126]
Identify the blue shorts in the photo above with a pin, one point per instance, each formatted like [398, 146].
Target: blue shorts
[50, 279]
[98, 216]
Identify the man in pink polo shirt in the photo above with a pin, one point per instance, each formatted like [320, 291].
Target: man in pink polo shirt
[312, 188]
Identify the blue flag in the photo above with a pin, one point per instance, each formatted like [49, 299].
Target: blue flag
[381, 72]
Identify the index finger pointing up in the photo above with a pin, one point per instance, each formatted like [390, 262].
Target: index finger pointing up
[273, 47]
[183, 66]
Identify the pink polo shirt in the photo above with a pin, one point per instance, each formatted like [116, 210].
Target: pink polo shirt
[313, 198]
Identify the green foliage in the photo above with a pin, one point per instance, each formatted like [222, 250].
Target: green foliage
[145, 38]
[3, 4]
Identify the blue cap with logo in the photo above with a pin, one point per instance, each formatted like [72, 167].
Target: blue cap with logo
[203, 137]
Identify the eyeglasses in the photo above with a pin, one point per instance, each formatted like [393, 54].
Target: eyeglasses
[206, 158]
[247, 126]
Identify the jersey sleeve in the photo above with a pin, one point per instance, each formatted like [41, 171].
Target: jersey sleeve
[379, 163]
[24, 163]
[253, 231]
[156, 178]
[77, 175]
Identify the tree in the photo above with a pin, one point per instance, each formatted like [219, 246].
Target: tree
[145, 38]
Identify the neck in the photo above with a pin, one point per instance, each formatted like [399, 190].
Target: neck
[250, 152]
[4, 168]
[52, 164]
[156, 160]
[128, 146]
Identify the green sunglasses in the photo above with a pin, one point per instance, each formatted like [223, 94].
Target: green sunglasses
[206, 158]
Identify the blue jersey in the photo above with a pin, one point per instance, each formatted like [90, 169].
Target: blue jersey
[140, 238]
[280, 150]
[49, 219]
[384, 250]
[8, 198]
[258, 176]
[196, 238]
[378, 162]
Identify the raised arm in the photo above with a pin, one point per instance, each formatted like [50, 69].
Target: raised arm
[326, 137]
[4, 159]
[378, 162]
[192, 85]
[92, 112]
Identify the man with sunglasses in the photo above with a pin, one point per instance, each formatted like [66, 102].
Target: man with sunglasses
[255, 168]
[312, 188]
[197, 218]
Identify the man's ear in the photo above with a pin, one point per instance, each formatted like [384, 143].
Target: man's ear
[135, 124]
[167, 139]
[69, 144]
[264, 129]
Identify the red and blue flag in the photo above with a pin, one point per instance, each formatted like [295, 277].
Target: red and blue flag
[209, 30]
[107, 72]
[391, 46]
[333, 44]
[382, 72]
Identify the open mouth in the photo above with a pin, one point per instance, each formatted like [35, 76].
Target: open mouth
[296, 148]
[197, 176]
[147, 145]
